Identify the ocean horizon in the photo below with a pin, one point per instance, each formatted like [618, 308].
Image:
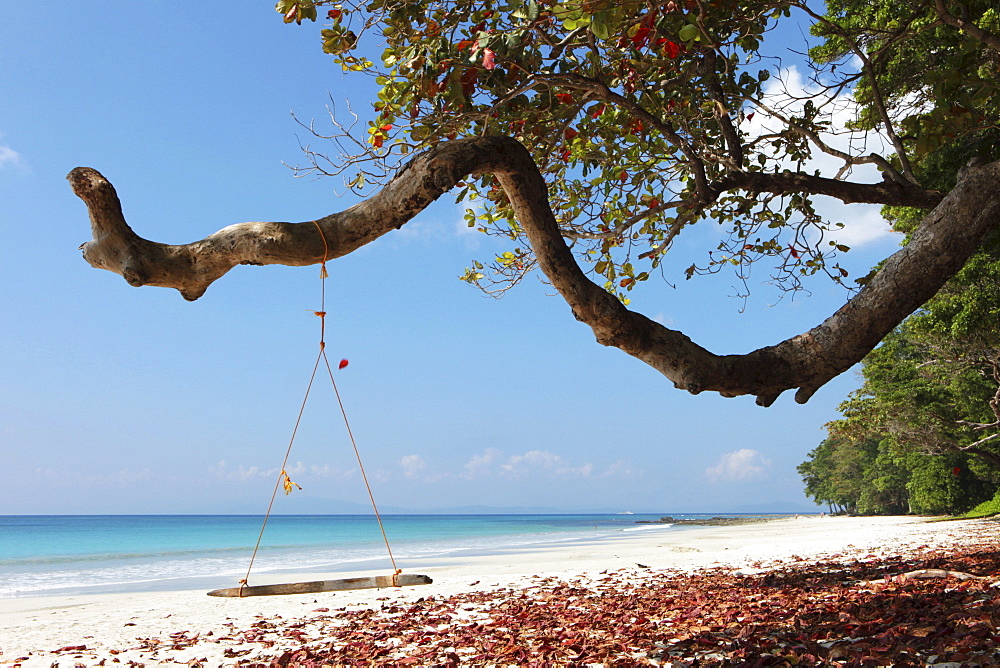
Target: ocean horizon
[43, 555]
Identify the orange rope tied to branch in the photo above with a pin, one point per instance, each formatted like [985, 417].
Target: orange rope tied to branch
[283, 479]
[323, 275]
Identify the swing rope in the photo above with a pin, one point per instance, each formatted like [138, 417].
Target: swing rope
[283, 478]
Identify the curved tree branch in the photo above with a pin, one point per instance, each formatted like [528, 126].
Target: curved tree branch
[940, 246]
[893, 193]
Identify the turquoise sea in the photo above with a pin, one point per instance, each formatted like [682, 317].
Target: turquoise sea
[70, 554]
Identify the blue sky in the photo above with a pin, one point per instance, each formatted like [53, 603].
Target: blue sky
[124, 400]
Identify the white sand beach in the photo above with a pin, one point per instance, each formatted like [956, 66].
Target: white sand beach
[154, 628]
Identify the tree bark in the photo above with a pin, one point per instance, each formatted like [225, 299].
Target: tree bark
[947, 237]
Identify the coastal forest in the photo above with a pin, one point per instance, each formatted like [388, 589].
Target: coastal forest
[922, 433]
[592, 135]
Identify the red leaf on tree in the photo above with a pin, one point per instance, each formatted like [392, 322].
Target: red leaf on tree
[342, 364]
[334, 14]
[596, 113]
[468, 81]
[956, 471]
[489, 61]
[565, 155]
[671, 49]
[565, 98]
[570, 134]
[641, 36]
[464, 44]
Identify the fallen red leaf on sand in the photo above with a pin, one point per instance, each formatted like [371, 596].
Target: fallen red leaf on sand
[70, 648]
[800, 613]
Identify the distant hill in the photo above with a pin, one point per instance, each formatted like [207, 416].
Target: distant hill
[305, 504]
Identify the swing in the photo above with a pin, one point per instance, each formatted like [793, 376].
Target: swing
[397, 578]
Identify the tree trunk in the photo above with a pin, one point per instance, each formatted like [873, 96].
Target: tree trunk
[948, 236]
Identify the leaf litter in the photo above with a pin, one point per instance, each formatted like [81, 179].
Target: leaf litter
[863, 611]
[906, 606]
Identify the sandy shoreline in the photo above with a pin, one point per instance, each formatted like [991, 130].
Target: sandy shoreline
[153, 628]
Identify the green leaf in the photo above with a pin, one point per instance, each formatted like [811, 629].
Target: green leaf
[532, 11]
[688, 32]
[599, 26]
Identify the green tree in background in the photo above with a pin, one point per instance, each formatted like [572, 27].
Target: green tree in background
[929, 402]
[592, 133]
[930, 393]
[834, 473]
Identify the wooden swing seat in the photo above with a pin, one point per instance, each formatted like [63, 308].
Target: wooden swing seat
[377, 582]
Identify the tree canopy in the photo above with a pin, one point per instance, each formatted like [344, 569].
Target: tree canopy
[922, 433]
[592, 133]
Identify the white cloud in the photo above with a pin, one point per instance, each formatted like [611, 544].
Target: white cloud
[739, 466]
[664, 319]
[243, 473]
[412, 465]
[297, 468]
[437, 224]
[480, 465]
[327, 471]
[618, 468]
[418, 228]
[866, 226]
[530, 459]
[492, 462]
[786, 94]
[9, 156]
[535, 461]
